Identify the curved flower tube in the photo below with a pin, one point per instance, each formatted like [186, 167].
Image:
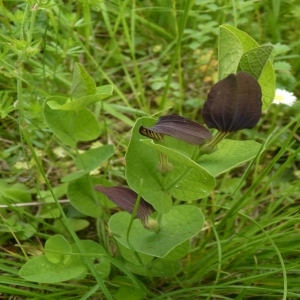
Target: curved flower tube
[177, 127]
[126, 198]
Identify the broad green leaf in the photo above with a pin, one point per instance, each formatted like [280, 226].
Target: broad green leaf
[178, 225]
[133, 256]
[58, 250]
[83, 197]
[127, 291]
[230, 154]
[76, 224]
[141, 162]
[197, 182]
[40, 269]
[49, 212]
[97, 254]
[82, 84]
[27, 231]
[13, 193]
[142, 158]
[178, 252]
[89, 161]
[267, 82]
[157, 268]
[230, 55]
[175, 254]
[254, 60]
[82, 102]
[93, 158]
[70, 126]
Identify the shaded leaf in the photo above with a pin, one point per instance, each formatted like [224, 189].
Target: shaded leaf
[229, 58]
[181, 223]
[254, 60]
[234, 103]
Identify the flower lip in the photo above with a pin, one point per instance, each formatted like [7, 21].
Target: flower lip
[234, 103]
[177, 127]
[284, 97]
[126, 198]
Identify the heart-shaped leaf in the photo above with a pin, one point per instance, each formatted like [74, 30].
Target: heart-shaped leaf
[70, 126]
[178, 225]
[142, 158]
[233, 43]
[230, 154]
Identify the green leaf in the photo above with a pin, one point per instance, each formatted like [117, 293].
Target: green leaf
[13, 193]
[84, 101]
[178, 252]
[197, 183]
[141, 162]
[89, 161]
[229, 155]
[83, 197]
[93, 158]
[126, 290]
[58, 250]
[96, 253]
[230, 52]
[233, 43]
[267, 82]
[40, 269]
[157, 268]
[178, 225]
[142, 158]
[76, 224]
[49, 212]
[132, 256]
[255, 60]
[82, 84]
[70, 126]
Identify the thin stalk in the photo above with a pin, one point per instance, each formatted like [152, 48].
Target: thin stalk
[176, 52]
[136, 206]
[177, 179]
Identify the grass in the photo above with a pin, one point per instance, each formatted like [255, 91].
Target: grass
[161, 57]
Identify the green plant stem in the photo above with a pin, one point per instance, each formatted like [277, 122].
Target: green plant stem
[32, 23]
[67, 224]
[207, 148]
[130, 34]
[135, 209]
[87, 21]
[177, 179]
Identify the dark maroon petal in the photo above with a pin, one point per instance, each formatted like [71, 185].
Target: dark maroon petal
[234, 103]
[126, 198]
[180, 128]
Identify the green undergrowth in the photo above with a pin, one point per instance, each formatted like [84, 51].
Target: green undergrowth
[124, 64]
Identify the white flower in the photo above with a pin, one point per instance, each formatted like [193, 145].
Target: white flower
[284, 97]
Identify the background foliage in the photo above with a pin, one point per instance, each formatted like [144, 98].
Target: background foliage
[132, 46]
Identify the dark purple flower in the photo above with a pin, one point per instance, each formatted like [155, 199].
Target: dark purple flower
[234, 103]
[126, 198]
[177, 127]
